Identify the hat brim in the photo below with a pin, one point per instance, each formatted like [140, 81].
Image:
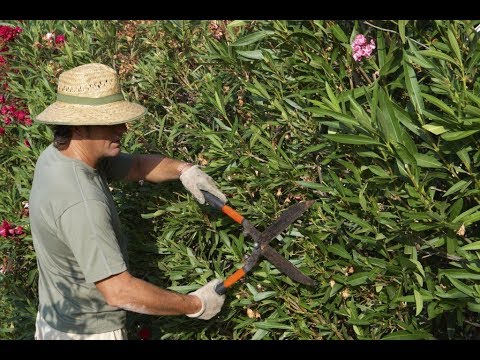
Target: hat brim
[118, 112]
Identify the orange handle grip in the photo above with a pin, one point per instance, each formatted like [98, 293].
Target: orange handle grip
[235, 216]
[232, 279]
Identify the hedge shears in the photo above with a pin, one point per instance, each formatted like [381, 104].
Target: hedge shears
[261, 240]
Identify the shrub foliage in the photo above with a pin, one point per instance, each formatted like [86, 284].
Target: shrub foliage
[276, 112]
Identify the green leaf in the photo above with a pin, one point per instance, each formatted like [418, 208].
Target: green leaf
[260, 334]
[311, 185]
[236, 23]
[422, 226]
[268, 324]
[256, 54]
[356, 220]
[473, 307]
[352, 139]
[339, 250]
[152, 215]
[467, 290]
[419, 266]
[412, 85]
[338, 33]
[263, 295]
[465, 214]
[401, 29]
[358, 278]
[381, 48]
[438, 55]
[346, 119]
[458, 274]
[31, 276]
[251, 54]
[427, 161]
[472, 218]
[333, 98]
[388, 120]
[420, 60]
[439, 103]
[405, 155]
[460, 185]
[252, 38]
[377, 170]
[472, 246]
[454, 45]
[434, 128]
[405, 335]
[261, 89]
[457, 135]
[463, 155]
[418, 302]
[219, 103]
[293, 104]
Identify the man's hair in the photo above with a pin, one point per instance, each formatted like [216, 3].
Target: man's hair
[62, 134]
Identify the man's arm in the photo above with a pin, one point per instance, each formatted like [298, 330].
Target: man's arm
[133, 294]
[155, 168]
[127, 292]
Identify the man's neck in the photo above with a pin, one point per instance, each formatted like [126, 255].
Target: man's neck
[77, 150]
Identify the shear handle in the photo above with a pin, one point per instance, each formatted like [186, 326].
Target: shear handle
[219, 205]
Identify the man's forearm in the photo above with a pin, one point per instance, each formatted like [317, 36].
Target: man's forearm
[155, 168]
[133, 294]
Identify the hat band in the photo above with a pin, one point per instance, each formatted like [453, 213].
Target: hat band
[89, 101]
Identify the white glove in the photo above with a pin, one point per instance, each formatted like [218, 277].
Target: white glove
[194, 180]
[211, 302]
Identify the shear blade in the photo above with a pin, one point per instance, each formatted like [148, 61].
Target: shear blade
[287, 218]
[286, 266]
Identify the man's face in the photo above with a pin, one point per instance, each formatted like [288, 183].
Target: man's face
[104, 140]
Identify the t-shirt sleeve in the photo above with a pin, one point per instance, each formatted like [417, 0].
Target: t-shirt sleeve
[117, 168]
[87, 227]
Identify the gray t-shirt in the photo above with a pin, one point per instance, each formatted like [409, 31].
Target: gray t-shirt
[78, 240]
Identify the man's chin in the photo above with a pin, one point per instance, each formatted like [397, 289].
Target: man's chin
[114, 152]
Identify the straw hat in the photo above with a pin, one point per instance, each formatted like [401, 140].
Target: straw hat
[90, 95]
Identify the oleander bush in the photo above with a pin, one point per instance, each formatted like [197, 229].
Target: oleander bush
[377, 121]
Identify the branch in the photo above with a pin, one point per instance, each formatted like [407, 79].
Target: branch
[395, 32]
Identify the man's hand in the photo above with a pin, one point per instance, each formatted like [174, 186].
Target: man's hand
[194, 180]
[211, 302]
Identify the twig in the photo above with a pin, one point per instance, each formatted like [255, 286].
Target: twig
[472, 323]
[395, 32]
[365, 75]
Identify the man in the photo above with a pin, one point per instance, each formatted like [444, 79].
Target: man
[84, 285]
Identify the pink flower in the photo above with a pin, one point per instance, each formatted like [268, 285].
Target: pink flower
[18, 230]
[5, 109]
[2, 99]
[2, 131]
[5, 228]
[26, 142]
[60, 39]
[8, 33]
[20, 115]
[362, 48]
[27, 121]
